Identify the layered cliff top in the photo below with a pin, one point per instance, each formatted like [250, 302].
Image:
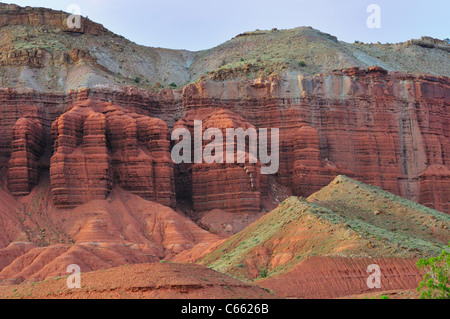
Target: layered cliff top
[38, 51]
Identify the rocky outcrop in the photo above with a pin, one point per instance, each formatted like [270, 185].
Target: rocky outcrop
[97, 145]
[384, 129]
[11, 15]
[33, 58]
[233, 187]
[431, 43]
[322, 277]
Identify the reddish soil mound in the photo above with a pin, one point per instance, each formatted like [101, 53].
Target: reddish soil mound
[144, 281]
[322, 277]
[124, 229]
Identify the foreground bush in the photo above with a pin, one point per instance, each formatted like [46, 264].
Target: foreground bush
[435, 284]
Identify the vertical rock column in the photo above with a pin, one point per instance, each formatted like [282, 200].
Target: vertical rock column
[80, 167]
[98, 145]
[233, 187]
[96, 156]
[435, 187]
[26, 148]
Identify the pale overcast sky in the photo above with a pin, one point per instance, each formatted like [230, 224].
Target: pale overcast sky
[203, 24]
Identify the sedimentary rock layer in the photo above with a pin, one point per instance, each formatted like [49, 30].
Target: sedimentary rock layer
[234, 186]
[387, 129]
[26, 148]
[322, 277]
[97, 145]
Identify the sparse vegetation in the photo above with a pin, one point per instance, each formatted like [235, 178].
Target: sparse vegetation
[263, 273]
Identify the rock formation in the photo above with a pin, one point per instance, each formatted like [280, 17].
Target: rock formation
[386, 129]
[26, 148]
[97, 145]
[12, 15]
[233, 187]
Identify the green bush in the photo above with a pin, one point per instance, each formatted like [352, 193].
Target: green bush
[263, 273]
[302, 64]
[435, 284]
[137, 80]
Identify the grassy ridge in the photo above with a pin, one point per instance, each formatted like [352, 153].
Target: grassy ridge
[346, 219]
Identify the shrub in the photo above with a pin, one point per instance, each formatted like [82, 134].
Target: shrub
[435, 284]
[137, 80]
[173, 85]
[263, 273]
[302, 64]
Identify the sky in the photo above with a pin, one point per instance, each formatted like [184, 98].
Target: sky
[203, 24]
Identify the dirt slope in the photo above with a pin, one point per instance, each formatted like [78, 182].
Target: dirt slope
[310, 242]
[336, 277]
[124, 229]
[144, 281]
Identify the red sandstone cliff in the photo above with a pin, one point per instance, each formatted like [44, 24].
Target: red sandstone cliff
[98, 145]
[387, 129]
